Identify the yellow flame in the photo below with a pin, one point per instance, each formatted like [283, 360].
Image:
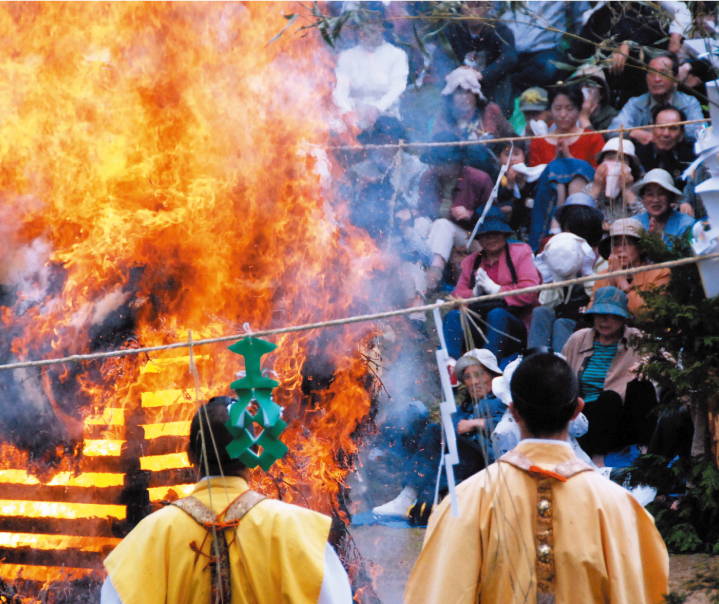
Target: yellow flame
[167, 429]
[164, 398]
[109, 417]
[155, 463]
[102, 448]
[64, 479]
[42, 574]
[60, 509]
[157, 365]
[49, 542]
[161, 493]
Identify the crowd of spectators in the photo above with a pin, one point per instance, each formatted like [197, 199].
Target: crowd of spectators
[574, 201]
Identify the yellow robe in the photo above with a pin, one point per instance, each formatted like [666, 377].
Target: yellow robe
[279, 557]
[606, 547]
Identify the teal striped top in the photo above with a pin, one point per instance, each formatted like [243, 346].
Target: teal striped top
[596, 371]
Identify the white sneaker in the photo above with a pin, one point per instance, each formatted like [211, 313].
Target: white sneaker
[398, 507]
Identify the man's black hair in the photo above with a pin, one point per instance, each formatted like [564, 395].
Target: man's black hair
[584, 222]
[216, 411]
[544, 392]
[665, 54]
[572, 91]
[657, 109]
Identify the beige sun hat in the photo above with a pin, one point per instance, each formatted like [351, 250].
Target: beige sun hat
[622, 227]
[477, 356]
[661, 178]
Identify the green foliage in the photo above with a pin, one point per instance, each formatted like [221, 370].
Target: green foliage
[680, 327]
[680, 344]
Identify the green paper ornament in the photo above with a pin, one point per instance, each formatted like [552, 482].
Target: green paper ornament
[255, 387]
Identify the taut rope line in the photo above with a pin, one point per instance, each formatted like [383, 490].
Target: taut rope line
[76, 358]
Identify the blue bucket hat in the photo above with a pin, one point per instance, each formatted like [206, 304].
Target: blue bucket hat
[494, 222]
[609, 301]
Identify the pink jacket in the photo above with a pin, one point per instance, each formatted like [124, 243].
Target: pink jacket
[527, 276]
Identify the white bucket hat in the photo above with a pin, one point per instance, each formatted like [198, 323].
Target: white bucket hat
[465, 78]
[613, 145]
[477, 356]
[500, 385]
[661, 178]
[564, 256]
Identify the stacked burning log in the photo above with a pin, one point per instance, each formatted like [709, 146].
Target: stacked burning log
[157, 178]
[132, 461]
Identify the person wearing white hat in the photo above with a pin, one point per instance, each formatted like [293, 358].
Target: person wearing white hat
[563, 258]
[478, 411]
[616, 171]
[658, 193]
[467, 113]
[621, 248]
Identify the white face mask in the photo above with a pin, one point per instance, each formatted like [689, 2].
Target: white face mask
[539, 127]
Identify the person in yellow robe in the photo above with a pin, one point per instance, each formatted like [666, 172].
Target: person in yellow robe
[539, 526]
[277, 552]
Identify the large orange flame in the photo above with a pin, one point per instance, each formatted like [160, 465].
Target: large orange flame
[160, 158]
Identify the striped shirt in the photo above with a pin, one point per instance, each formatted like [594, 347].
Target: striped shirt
[595, 373]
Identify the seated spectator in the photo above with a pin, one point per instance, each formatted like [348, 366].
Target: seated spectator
[516, 192]
[370, 77]
[538, 28]
[487, 48]
[662, 85]
[565, 103]
[560, 179]
[668, 149]
[658, 193]
[478, 411]
[467, 115]
[451, 192]
[597, 112]
[610, 192]
[565, 257]
[693, 77]
[500, 266]
[534, 106]
[579, 217]
[507, 435]
[622, 250]
[632, 26]
[617, 404]
[510, 185]
[396, 173]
